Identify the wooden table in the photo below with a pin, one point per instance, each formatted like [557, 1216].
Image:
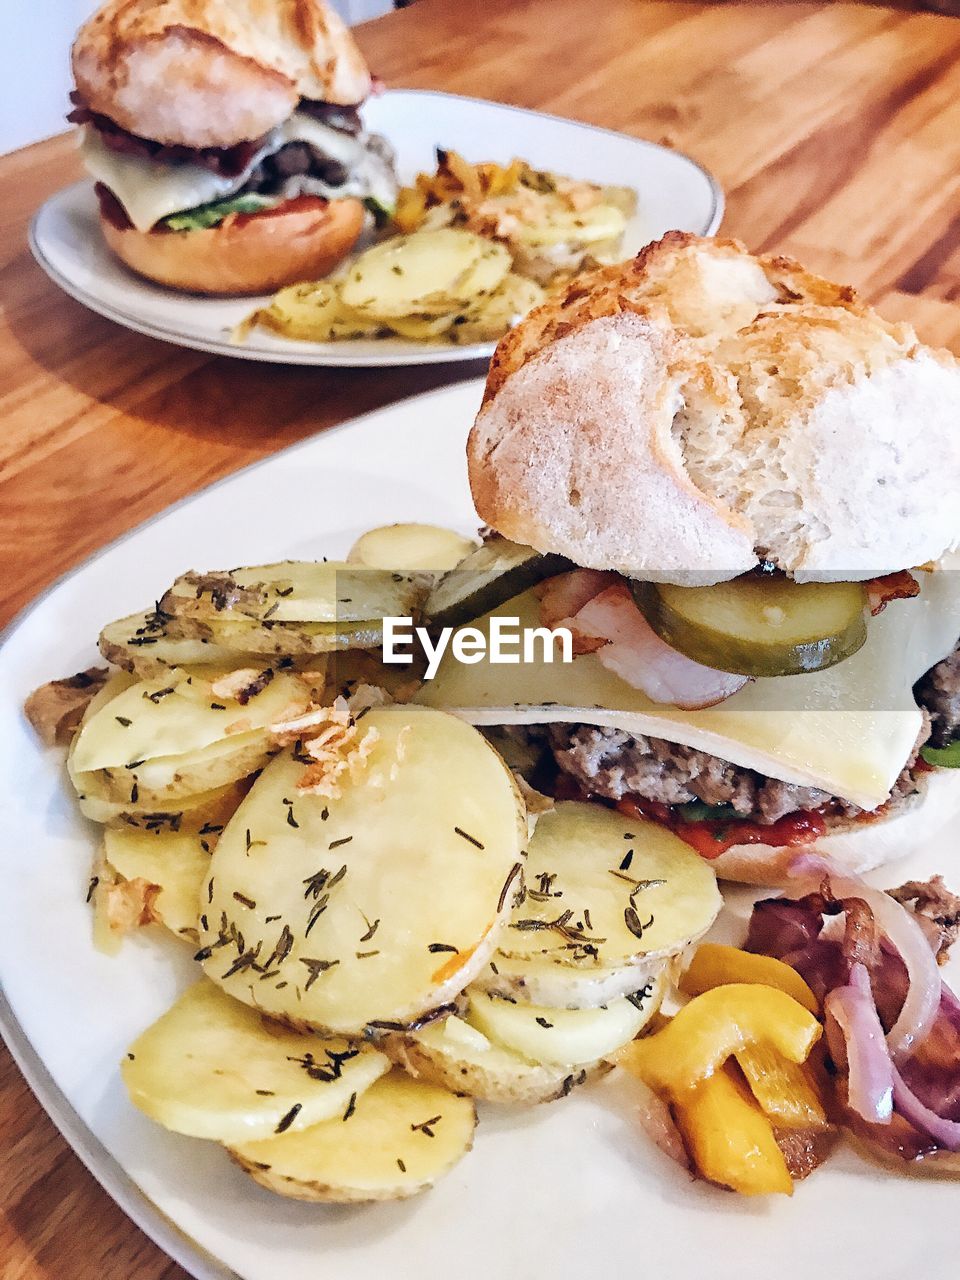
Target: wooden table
[835, 131]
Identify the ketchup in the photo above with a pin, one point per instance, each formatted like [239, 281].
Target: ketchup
[710, 838]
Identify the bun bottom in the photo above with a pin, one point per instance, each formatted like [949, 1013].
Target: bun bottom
[860, 846]
[303, 240]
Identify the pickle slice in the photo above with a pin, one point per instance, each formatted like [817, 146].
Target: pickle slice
[760, 624]
[488, 576]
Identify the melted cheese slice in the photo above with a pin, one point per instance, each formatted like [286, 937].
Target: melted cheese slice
[150, 191]
[849, 729]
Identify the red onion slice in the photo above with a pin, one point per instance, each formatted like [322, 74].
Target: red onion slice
[901, 929]
[658, 1124]
[870, 1074]
[946, 1133]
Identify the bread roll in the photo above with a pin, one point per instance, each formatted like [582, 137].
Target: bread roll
[212, 73]
[683, 415]
[303, 240]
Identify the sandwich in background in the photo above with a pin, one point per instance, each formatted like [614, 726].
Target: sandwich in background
[226, 140]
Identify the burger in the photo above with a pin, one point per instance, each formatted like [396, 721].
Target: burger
[226, 141]
[736, 486]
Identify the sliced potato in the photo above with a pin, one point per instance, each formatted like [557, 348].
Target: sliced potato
[182, 712]
[313, 312]
[541, 980]
[458, 1056]
[190, 813]
[294, 640]
[493, 316]
[143, 644]
[326, 591]
[212, 1068]
[584, 226]
[171, 783]
[177, 861]
[190, 731]
[423, 328]
[608, 891]
[564, 1037]
[400, 1138]
[411, 547]
[378, 905]
[427, 273]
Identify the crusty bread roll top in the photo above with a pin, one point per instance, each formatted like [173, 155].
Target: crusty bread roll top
[212, 73]
[683, 415]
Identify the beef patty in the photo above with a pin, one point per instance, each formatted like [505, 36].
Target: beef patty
[612, 763]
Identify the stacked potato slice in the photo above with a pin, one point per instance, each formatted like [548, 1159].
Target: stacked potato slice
[583, 963]
[341, 917]
[441, 283]
[380, 945]
[295, 610]
[170, 744]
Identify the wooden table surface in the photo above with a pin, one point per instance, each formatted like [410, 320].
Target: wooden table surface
[835, 131]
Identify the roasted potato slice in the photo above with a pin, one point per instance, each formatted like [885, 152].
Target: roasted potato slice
[607, 891]
[321, 897]
[411, 548]
[494, 315]
[190, 812]
[213, 1068]
[185, 711]
[541, 980]
[294, 591]
[245, 639]
[564, 1037]
[146, 644]
[313, 312]
[173, 783]
[192, 730]
[456, 1055]
[176, 861]
[398, 1139]
[429, 273]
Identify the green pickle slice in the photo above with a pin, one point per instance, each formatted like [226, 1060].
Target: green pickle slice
[760, 624]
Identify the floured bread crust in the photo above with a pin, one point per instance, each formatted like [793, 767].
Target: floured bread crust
[212, 73]
[682, 415]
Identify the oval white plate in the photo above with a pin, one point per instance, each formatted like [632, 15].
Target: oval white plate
[572, 1188]
[675, 194]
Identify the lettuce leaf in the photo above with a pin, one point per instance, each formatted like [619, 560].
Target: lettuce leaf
[211, 215]
[947, 757]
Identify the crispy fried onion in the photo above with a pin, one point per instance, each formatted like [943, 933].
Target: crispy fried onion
[122, 905]
[56, 708]
[331, 741]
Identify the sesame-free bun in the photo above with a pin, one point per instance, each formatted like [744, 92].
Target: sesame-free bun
[862, 844]
[679, 416]
[244, 255]
[213, 73]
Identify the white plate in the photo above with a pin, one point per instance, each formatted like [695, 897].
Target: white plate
[675, 194]
[571, 1188]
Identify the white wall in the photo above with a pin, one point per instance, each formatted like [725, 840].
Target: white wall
[35, 69]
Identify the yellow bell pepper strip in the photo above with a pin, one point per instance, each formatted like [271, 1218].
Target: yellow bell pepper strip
[783, 1089]
[715, 1025]
[715, 965]
[729, 1138]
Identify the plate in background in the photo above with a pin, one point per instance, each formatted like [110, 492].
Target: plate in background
[570, 1188]
[675, 194]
